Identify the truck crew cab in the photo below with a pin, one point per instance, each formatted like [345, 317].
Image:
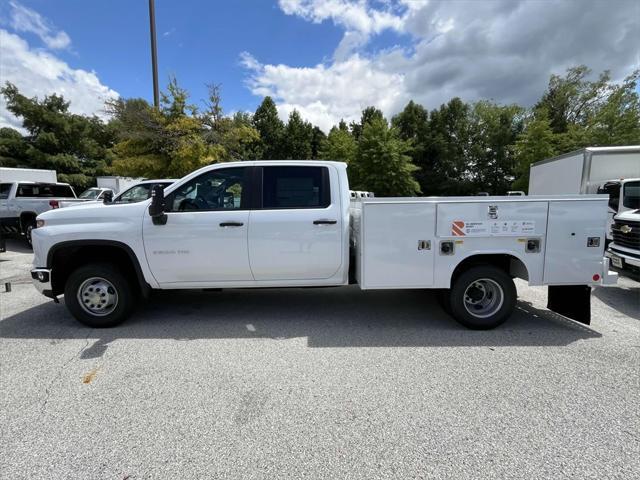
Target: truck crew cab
[292, 224]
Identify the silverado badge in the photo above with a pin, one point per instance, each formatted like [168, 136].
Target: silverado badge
[625, 229]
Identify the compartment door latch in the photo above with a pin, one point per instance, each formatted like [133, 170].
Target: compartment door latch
[424, 244]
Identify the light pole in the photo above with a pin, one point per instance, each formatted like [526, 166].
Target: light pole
[154, 53]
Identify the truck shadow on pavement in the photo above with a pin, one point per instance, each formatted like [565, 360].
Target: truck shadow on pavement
[625, 300]
[330, 317]
[16, 245]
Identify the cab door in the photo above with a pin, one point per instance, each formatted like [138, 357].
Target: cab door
[204, 241]
[295, 231]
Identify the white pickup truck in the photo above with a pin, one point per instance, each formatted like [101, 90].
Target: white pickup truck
[292, 224]
[21, 202]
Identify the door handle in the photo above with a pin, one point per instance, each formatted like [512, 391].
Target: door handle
[325, 222]
[231, 224]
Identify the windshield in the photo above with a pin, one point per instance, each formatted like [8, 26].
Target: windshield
[138, 193]
[631, 195]
[90, 194]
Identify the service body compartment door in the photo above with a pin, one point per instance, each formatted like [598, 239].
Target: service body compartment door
[572, 227]
[397, 245]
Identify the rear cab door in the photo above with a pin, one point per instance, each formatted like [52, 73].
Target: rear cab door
[296, 229]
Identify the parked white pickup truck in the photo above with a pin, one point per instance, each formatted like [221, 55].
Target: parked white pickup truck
[291, 224]
[21, 202]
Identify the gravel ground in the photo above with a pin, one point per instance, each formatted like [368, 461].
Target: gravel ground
[327, 383]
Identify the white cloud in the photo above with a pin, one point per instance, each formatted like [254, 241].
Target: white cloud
[503, 50]
[326, 94]
[24, 19]
[37, 72]
[359, 20]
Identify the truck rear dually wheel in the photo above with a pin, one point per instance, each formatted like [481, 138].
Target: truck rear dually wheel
[98, 295]
[483, 297]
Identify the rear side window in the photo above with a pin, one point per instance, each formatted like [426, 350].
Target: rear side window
[295, 187]
[5, 188]
[44, 190]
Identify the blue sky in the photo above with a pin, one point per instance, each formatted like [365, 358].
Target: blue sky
[199, 43]
[326, 58]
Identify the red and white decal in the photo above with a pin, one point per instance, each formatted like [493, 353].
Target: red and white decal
[457, 228]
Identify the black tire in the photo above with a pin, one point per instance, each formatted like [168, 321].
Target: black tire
[489, 301]
[122, 306]
[28, 227]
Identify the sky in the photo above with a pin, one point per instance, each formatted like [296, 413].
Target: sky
[326, 58]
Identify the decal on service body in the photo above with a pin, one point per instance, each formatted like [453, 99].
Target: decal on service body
[462, 228]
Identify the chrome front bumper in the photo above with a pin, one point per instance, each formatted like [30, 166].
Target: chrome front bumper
[41, 278]
[627, 257]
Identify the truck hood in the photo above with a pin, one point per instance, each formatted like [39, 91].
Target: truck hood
[630, 215]
[93, 212]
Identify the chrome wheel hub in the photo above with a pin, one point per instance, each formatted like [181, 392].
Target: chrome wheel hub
[98, 296]
[483, 298]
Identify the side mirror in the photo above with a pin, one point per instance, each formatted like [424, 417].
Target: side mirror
[156, 209]
[107, 197]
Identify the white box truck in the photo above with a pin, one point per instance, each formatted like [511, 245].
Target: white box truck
[265, 224]
[614, 171]
[602, 170]
[117, 184]
[10, 175]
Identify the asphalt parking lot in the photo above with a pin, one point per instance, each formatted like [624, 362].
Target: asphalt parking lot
[325, 383]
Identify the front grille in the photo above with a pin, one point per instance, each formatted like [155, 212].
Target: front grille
[630, 239]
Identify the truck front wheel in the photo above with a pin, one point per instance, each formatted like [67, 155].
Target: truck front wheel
[483, 297]
[98, 295]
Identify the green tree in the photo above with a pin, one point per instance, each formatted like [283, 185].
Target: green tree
[382, 164]
[270, 128]
[617, 121]
[491, 160]
[165, 142]
[574, 113]
[76, 146]
[238, 138]
[298, 138]
[411, 122]
[236, 134]
[446, 150]
[571, 99]
[368, 114]
[13, 148]
[535, 144]
[339, 145]
[317, 140]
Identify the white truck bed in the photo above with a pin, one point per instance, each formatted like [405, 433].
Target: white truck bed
[387, 254]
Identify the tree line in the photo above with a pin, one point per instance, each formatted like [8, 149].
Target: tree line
[460, 148]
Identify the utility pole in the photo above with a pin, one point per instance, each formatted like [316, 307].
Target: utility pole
[154, 53]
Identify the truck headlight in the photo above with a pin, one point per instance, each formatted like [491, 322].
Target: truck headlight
[39, 223]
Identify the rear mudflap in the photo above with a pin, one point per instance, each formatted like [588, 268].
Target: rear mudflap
[571, 301]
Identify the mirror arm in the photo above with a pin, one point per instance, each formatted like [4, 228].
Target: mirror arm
[159, 219]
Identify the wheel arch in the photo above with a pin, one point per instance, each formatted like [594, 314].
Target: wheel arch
[508, 262]
[64, 257]
[24, 216]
